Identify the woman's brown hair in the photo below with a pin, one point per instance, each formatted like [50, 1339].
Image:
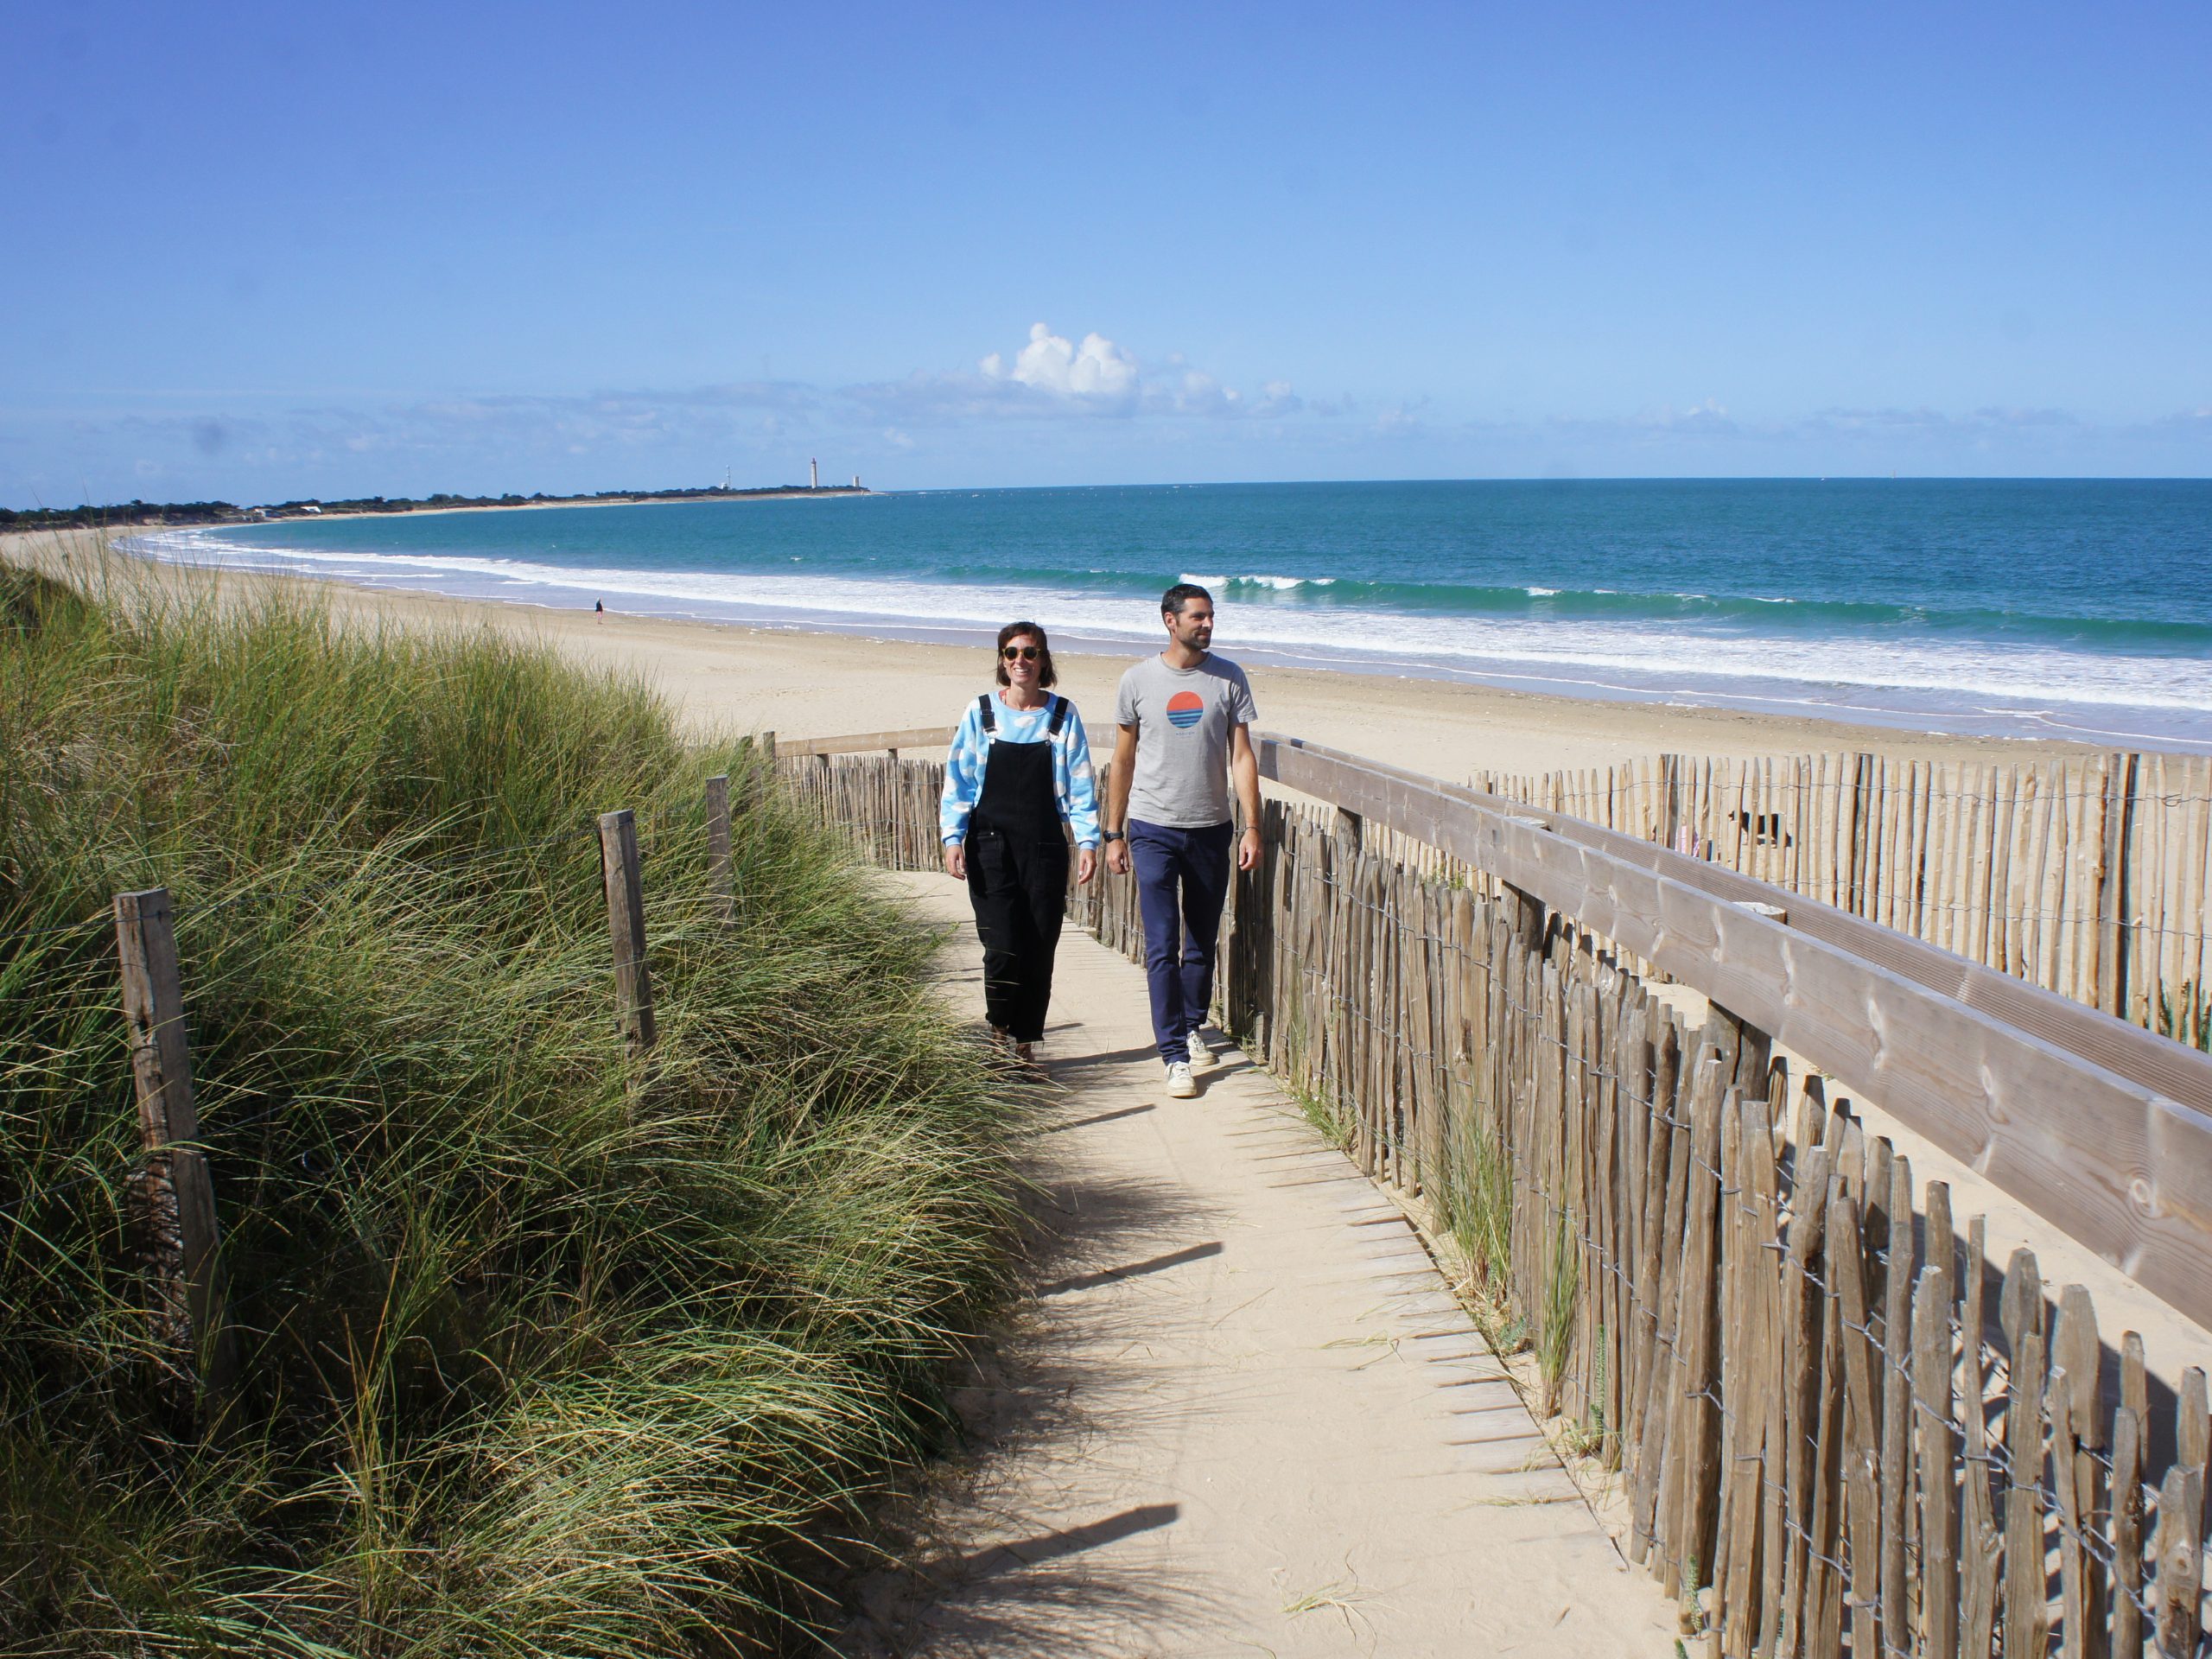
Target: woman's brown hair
[1046, 676]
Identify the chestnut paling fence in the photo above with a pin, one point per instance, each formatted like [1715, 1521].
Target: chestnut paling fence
[1840, 1426]
[2089, 877]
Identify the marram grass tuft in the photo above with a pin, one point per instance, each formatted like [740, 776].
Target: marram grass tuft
[545, 1349]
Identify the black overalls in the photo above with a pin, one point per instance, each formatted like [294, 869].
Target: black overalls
[1018, 874]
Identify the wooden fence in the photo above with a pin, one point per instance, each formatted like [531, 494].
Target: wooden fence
[1840, 1427]
[2088, 877]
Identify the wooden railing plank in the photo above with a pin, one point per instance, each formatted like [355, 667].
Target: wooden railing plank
[919, 737]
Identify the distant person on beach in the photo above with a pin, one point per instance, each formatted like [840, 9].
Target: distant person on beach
[1019, 769]
[599, 610]
[1186, 718]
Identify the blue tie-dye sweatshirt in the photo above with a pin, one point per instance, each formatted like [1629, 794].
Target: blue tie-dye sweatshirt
[1072, 780]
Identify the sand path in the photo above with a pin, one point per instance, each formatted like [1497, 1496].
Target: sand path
[1241, 1412]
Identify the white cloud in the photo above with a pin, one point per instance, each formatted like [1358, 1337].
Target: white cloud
[1097, 370]
[1055, 376]
[1708, 416]
[1195, 393]
[1397, 419]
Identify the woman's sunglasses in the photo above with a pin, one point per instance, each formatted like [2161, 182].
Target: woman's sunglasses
[1022, 653]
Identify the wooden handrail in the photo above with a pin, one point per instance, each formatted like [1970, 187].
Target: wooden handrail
[2156, 1063]
[921, 737]
[2122, 1165]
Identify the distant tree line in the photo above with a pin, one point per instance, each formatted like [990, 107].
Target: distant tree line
[223, 513]
[128, 512]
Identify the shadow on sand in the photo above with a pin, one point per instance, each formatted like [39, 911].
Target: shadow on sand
[968, 1573]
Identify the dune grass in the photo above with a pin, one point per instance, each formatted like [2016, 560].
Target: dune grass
[546, 1350]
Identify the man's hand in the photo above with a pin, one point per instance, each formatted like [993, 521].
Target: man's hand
[1244, 774]
[1086, 864]
[1117, 856]
[956, 859]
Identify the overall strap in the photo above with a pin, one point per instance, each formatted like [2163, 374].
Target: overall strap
[1059, 716]
[991, 720]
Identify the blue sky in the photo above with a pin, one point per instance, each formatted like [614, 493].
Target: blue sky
[259, 251]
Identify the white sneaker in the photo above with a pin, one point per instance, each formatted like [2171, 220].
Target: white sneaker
[1180, 1086]
[1203, 1059]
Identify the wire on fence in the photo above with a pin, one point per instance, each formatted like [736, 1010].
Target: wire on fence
[89, 922]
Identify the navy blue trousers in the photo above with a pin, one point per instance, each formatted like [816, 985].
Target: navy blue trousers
[1182, 881]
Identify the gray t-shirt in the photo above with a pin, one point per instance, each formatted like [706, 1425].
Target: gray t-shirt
[1182, 716]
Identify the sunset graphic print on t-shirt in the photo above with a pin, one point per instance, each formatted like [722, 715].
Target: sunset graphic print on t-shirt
[1185, 710]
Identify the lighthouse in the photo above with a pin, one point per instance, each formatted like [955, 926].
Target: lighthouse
[813, 474]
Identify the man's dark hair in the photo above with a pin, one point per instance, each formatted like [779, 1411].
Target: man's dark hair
[1173, 602]
[1046, 674]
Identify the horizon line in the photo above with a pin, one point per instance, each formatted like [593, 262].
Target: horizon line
[707, 492]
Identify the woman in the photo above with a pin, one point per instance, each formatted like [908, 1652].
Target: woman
[1019, 770]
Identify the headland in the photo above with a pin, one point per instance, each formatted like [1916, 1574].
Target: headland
[164, 514]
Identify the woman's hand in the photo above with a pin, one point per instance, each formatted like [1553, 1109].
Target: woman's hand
[1086, 864]
[956, 859]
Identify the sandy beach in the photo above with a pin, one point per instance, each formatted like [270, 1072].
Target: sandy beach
[813, 684]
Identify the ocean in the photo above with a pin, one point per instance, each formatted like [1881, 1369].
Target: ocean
[2066, 608]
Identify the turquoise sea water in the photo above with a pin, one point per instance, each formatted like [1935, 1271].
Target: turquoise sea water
[2076, 608]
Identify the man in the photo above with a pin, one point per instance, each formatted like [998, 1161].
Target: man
[1186, 718]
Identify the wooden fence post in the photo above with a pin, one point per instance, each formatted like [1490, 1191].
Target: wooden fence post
[719, 880]
[187, 1271]
[1524, 911]
[1524, 915]
[2115, 895]
[626, 923]
[2181, 1561]
[763, 772]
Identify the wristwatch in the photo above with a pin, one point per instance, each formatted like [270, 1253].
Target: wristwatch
[1112, 835]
